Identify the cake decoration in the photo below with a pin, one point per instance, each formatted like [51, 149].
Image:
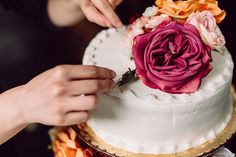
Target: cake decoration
[172, 43]
[126, 77]
[181, 9]
[172, 58]
[206, 25]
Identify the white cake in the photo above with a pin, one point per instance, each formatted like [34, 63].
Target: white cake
[140, 119]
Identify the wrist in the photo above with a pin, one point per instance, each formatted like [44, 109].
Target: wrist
[10, 116]
[21, 110]
[12, 101]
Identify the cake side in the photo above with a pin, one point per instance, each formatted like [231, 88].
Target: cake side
[204, 149]
[140, 119]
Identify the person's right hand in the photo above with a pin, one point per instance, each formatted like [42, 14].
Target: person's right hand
[63, 95]
[101, 12]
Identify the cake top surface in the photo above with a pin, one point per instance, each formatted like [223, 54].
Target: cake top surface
[175, 50]
[172, 44]
[103, 52]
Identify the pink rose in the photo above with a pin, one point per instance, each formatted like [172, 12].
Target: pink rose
[206, 25]
[172, 58]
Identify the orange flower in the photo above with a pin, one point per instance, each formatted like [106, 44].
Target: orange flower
[183, 8]
[64, 144]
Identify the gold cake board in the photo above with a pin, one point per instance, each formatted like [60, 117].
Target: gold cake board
[202, 150]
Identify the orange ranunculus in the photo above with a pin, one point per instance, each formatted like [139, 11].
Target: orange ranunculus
[64, 144]
[182, 9]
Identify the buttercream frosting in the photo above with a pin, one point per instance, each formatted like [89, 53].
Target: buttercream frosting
[139, 119]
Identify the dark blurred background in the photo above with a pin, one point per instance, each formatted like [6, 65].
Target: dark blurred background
[29, 47]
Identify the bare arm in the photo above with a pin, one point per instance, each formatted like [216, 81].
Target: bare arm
[60, 96]
[10, 118]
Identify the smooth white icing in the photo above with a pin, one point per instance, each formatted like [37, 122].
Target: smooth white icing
[144, 120]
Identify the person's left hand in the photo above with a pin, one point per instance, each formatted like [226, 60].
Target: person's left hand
[101, 12]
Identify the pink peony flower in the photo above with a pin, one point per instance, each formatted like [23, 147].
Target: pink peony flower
[172, 58]
[206, 25]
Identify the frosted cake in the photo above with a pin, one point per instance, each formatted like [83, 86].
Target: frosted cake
[180, 96]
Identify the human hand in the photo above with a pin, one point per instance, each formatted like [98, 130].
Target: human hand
[101, 12]
[63, 95]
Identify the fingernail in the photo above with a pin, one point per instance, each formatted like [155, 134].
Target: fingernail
[118, 24]
[108, 24]
[84, 120]
[113, 84]
[113, 74]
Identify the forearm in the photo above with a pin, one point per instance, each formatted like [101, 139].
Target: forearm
[64, 12]
[11, 120]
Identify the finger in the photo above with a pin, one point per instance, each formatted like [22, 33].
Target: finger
[93, 15]
[73, 118]
[106, 9]
[81, 103]
[74, 72]
[89, 86]
[114, 3]
[92, 72]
